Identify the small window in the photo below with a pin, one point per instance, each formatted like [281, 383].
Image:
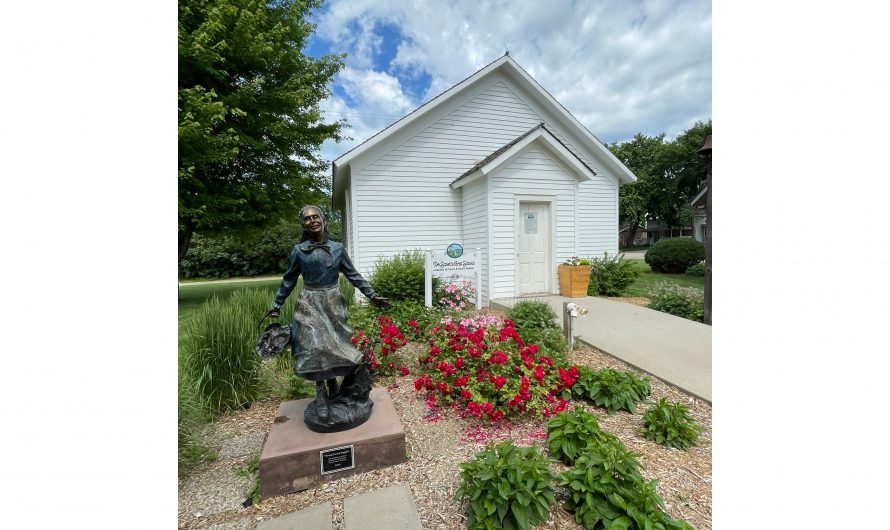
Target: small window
[531, 223]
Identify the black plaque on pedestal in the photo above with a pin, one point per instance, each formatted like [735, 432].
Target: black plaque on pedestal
[337, 459]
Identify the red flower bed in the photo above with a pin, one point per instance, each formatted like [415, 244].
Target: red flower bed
[380, 342]
[486, 370]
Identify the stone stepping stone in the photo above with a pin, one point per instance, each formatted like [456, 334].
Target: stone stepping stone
[317, 517]
[391, 508]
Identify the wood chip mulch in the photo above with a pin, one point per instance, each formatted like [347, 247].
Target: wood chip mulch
[438, 442]
[635, 300]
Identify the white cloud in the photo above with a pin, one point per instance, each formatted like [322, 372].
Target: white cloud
[619, 67]
[375, 91]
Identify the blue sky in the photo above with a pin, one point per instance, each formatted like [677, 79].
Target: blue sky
[620, 67]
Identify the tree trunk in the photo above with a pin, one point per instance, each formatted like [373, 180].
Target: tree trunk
[709, 221]
[185, 237]
[631, 234]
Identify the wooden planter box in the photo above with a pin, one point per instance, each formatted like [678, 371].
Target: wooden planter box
[573, 280]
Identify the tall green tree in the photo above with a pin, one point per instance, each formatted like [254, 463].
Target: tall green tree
[669, 174]
[635, 201]
[250, 126]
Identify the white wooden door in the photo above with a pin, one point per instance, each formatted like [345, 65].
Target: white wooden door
[533, 247]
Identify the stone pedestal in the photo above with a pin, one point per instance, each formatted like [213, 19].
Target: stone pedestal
[291, 457]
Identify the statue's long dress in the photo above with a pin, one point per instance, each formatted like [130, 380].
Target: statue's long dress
[320, 337]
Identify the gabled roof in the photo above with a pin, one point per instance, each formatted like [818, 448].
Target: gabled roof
[538, 133]
[508, 67]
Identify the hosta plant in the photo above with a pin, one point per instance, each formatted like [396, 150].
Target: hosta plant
[612, 389]
[606, 490]
[485, 369]
[569, 433]
[670, 424]
[506, 487]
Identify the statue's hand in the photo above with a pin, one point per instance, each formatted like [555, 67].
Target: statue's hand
[273, 313]
[379, 301]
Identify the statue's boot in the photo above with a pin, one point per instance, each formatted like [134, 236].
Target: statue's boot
[321, 400]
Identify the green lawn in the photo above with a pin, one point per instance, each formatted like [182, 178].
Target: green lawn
[192, 295]
[648, 279]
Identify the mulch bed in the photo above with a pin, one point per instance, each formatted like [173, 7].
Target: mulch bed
[438, 442]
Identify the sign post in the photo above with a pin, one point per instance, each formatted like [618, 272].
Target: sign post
[428, 278]
[478, 278]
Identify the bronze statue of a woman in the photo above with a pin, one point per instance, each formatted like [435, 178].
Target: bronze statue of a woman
[320, 337]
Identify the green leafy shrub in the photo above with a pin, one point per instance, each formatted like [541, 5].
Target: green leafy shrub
[550, 340]
[506, 487]
[696, 270]
[611, 276]
[674, 255]
[532, 314]
[685, 302]
[535, 321]
[227, 256]
[569, 434]
[611, 389]
[401, 277]
[670, 424]
[606, 490]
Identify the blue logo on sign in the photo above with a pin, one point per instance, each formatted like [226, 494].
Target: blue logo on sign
[455, 250]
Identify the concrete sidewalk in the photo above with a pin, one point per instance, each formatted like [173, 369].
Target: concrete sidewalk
[634, 254]
[673, 349]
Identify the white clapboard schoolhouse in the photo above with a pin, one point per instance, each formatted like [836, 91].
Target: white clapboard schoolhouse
[494, 162]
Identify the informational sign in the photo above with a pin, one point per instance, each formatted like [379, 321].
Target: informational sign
[337, 459]
[453, 265]
[531, 223]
